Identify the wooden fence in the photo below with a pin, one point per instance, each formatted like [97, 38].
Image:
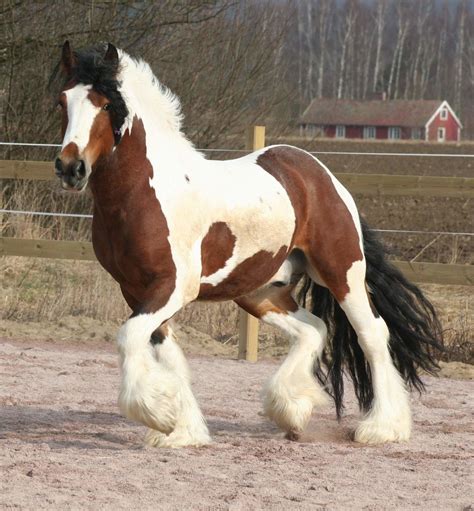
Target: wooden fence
[367, 184]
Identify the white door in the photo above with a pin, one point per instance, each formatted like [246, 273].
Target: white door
[441, 134]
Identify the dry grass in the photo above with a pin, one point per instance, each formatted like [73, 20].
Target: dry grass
[455, 306]
[44, 197]
[48, 290]
[53, 291]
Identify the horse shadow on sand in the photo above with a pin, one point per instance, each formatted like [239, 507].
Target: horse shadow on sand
[69, 428]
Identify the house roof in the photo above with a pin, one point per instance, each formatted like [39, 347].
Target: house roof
[398, 112]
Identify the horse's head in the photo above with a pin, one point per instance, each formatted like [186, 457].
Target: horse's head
[93, 112]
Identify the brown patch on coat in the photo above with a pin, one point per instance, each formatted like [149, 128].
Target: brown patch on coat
[132, 246]
[269, 299]
[62, 107]
[101, 138]
[70, 153]
[98, 100]
[160, 334]
[249, 275]
[325, 229]
[216, 248]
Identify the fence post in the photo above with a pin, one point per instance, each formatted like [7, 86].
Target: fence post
[248, 325]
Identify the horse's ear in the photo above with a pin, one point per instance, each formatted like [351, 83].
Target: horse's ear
[111, 55]
[68, 59]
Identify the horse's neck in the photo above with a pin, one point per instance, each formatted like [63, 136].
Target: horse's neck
[141, 152]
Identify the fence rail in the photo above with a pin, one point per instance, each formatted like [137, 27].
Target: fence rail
[367, 184]
[435, 273]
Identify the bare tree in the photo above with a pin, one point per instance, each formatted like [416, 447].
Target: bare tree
[380, 20]
[237, 61]
[403, 19]
[423, 13]
[347, 35]
[314, 23]
[441, 53]
[222, 57]
[460, 56]
[324, 16]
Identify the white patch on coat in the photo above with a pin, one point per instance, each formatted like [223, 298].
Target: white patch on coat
[292, 392]
[252, 203]
[81, 113]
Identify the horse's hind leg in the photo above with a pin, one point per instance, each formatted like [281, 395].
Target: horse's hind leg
[389, 418]
[190, 428]
[292, 392]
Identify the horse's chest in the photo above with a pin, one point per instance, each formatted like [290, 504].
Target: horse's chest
[134, 249]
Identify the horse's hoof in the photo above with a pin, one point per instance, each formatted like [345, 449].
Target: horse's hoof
[294, 436]
[370, 432]
[178, 438]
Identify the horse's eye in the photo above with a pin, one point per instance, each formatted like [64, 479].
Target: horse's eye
[106, 107]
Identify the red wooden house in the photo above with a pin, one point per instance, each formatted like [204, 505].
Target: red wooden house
[431, 120]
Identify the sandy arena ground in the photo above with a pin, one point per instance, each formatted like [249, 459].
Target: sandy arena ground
[64, 444]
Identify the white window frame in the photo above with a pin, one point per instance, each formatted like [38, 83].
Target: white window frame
[340, 131]
[443, 115]
[370, 132]
[310, 130]
[416, 133]
[394, 133]
[441, 130]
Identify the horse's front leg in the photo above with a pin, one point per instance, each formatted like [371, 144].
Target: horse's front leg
[190, 428]
[152, 391]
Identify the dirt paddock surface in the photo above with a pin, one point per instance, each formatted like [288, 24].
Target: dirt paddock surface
[64, 444]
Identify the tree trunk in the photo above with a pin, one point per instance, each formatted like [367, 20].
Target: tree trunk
[380, 24]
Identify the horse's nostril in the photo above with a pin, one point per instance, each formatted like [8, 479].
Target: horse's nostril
[58, 166]
[80, 169]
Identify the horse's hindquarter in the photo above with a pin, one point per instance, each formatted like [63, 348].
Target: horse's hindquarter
[327, 221]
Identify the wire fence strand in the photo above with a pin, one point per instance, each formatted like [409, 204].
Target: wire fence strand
[228, 150]
[77, 215]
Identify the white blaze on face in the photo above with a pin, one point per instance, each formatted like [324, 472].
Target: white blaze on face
[81, 114]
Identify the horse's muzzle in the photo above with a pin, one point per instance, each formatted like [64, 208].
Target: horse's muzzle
[73, 174]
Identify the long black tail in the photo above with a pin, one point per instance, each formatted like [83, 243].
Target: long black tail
[415, 331]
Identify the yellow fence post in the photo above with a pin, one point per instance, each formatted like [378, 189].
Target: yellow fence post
[248, 325]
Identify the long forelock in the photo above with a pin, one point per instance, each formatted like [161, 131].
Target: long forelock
[91, 68]
[136, 75]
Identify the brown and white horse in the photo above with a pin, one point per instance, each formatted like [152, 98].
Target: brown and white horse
[172, 227]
